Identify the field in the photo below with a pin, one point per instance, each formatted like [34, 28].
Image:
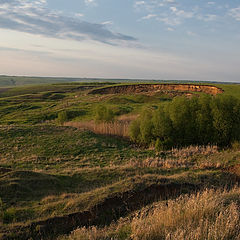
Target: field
[67, 174]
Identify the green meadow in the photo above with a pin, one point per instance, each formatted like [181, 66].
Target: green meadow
[64, 176]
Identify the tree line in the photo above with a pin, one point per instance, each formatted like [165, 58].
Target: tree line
[189, 121]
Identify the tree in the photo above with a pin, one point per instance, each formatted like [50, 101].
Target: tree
[162, 129]
[62, 117]
[204, 120]
[182, 122]
[226, 119]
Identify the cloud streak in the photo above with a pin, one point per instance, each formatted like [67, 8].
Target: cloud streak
[174, 12]
[34, 17]
[166, 11]
[235, 13]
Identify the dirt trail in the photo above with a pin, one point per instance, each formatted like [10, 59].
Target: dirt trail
[150, 88]
[109, 210]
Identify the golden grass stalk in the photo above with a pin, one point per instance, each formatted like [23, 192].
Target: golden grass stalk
[209, 215]
[116, 128]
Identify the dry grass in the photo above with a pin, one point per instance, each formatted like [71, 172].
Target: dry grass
[193, 157]
[209, 215]
[128, 118]
[116, 128]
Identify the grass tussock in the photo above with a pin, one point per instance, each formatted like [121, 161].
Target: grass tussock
[208, 215]
[211, 214]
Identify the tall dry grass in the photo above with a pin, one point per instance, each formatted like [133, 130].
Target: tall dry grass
[116, 128]
[207, 215]
[189, 157]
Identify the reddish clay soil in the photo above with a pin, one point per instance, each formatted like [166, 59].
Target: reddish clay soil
[150, 88]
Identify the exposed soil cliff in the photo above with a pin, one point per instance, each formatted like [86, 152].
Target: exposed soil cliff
[150, 88]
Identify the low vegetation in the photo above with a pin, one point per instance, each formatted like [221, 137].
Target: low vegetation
[68, 169]
[211, 214]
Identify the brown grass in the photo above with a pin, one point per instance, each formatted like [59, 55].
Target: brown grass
[116, 128]
[207, 215]
[190, 157]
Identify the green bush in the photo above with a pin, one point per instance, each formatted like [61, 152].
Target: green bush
[68, 115]
[196, 121]
[104, 114]
[9, 215]
[62, 117]
[134, 131]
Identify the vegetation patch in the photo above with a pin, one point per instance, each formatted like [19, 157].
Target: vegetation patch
[68, 169]
[196, 121]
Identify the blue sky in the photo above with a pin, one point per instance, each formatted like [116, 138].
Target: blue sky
[150, 39]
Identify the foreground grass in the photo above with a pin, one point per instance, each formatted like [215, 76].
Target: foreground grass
[211, 214]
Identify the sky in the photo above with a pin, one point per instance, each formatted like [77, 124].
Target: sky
[145, 39]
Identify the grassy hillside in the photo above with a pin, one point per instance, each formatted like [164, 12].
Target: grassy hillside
[41, 103]
[13, 81]
[63, 182]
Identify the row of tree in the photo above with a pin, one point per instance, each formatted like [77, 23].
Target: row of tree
[189, 121]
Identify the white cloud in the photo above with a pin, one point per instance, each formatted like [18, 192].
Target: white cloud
[152, 5]
[169, 1]
[165, 11]
[137, 3]
[149, 16]
[79, 14]
[211, 3]
[207, 17]
[235, 13]
[170, 21]
[192, 34]
[90, 2]
[181, 13]
[34, 17]
[107, 23]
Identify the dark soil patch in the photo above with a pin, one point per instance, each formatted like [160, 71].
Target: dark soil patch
[111, 209]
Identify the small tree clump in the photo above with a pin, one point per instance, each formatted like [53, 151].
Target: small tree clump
[197, 121]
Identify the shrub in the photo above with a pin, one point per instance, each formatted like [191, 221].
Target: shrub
[9, 215]
[134, 130]
[146, 127]
[235, 146]
[62, 117]
[104, 114]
